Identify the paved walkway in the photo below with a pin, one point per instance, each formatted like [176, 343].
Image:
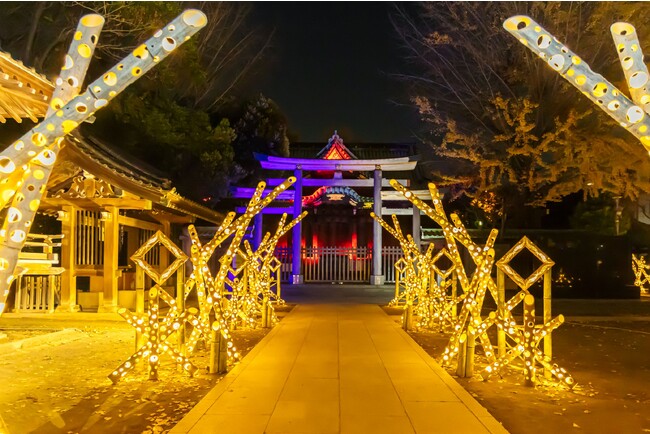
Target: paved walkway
[338, 368]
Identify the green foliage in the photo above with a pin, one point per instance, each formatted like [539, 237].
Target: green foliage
[599, 215]
[179, 139]
[261, 128]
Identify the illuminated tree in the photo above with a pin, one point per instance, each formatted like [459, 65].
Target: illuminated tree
[484, 99]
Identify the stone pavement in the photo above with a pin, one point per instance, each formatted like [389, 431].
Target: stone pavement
[338, 368]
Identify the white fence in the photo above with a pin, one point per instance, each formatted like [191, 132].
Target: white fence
[339, 264]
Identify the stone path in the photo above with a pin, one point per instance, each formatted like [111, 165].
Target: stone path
[338, 368]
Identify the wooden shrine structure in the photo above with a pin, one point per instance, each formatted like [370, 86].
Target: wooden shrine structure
[333, 176]
[108, 205]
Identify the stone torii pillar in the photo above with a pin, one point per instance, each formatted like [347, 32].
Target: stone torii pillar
[296, 234]
[416, 226]
[258, 234]
[377, 277]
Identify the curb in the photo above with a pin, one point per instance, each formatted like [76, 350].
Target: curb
[59, 337]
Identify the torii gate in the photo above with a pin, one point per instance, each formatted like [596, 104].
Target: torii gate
[26, 164]
[335, 158]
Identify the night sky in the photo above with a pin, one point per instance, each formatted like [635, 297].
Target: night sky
[329, 68]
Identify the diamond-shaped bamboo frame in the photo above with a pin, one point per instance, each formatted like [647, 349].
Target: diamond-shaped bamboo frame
[159, 237]
[525, 243]
[443, 273]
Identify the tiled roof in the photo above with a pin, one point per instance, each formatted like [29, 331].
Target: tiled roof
[363, 151]
[105, 162]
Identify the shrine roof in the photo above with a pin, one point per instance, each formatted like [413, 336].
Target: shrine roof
[362, 151]
[24, 93]
[119, 170]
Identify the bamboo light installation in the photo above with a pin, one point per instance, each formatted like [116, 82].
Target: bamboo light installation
[215, 314]
[466, 327]
[41, 144]
[439, 307]
[417, 273]
[201, 280]
[211, 290]
[468, 324]
[400, 287]
[413, 274]
[604, 94]
[258, 271]
[154, 329]
[275, 266]
[527, 339]
[641, 275]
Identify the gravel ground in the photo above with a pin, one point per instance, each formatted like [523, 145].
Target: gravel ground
[606, 355]
[60, 385]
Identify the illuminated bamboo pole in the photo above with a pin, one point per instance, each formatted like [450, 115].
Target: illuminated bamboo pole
[462, 355]
[469, 354]
[603, 93]
[154, 334]
[501, 290]
[180, 302]
[24, 188]
[34, 145]
[407, 316]
[631, 58]
[139, 303]
[454, 294]
[68, 85]
[548, 339]
[265, 312]
[529, 343]
[278, 288]
[218, 361]
[397, 279]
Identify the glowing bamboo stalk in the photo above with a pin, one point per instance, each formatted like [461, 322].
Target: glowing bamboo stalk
[603, 93]
[631, 57]
[67, 87]
[24, 187]
[42, 142]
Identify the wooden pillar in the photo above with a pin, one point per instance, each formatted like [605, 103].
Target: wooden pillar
[416, 226]
[296, 234]
[68, 261]
[377, 277]
[111, 247]
[257, 231]
[164, 253]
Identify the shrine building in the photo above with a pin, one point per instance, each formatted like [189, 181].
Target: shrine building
[107, 206]
[339, 186]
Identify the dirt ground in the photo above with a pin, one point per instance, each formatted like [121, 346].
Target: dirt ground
[59, 384]
[609, 357]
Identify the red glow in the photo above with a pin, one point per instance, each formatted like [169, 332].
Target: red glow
[337, 152]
